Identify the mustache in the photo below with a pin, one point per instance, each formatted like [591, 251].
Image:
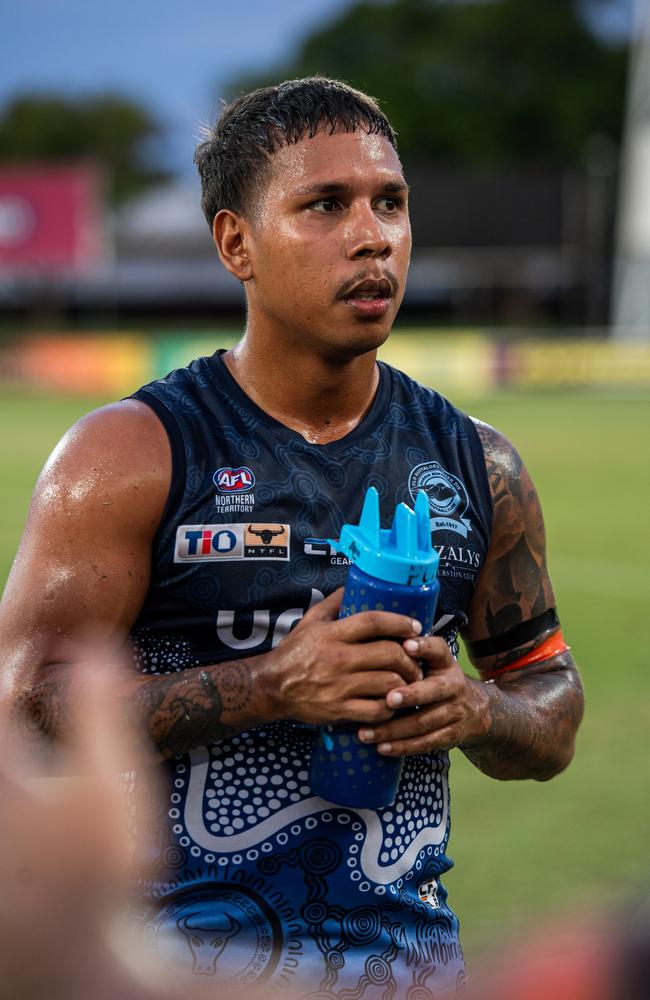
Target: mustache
[356, 279]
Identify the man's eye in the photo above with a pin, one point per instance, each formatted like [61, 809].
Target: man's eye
[325, 205]
[389, 204]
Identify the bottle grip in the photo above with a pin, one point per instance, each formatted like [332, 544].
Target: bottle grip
[390, 570]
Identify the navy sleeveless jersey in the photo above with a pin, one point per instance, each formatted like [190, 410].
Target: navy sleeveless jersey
[250, 878]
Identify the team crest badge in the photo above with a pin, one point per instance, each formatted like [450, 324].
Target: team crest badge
[448, 500]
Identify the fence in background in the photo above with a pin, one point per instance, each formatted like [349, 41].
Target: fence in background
[463, 361]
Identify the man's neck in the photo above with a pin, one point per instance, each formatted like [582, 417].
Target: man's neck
[322, 399]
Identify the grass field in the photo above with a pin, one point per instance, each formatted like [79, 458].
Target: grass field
[522, 849]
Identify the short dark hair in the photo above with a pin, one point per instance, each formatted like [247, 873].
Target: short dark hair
[233, 158]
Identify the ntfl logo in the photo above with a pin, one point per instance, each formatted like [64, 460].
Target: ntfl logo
[229, 480]
[219, 542]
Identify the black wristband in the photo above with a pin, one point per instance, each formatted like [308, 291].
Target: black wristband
[518, 635]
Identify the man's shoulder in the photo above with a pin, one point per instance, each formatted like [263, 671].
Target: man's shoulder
[117, 449]
[497, 448]
[126, 427]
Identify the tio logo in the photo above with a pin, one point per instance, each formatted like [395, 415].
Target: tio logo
[208, 543]
[220, 541]
[229, 480]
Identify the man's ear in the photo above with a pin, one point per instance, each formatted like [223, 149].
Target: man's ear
[230, 233]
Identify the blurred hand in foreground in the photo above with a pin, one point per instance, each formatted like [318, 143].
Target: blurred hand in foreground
[66, 857]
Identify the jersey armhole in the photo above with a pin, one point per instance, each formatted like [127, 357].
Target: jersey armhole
[479, 463]
[177, 446]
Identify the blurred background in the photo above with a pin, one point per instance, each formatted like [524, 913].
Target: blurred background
[524, 128]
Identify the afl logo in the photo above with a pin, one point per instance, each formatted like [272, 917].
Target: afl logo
[229, 480]
[448, 500]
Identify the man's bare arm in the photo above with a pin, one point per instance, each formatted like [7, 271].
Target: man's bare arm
[80, 577]
[325, 671]
[533, 718]
[177, 712]
[533, 713]
[521, 723]
[82, 573]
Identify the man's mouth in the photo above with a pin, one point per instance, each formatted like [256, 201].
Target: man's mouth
[369, 306]
[371, 288]
[369, 298]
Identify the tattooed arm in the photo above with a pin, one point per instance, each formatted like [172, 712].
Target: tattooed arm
[523, 722]
[79, 580]
[177, 712]
[533, 712]
[81, 576]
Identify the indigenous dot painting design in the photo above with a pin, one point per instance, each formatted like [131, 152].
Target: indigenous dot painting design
[250, 792]
[156, 654]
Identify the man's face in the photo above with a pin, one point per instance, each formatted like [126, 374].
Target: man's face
[330, 241]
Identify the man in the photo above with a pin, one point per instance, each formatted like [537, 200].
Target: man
[193, 518]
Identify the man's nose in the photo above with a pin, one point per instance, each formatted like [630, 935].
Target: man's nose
[368, 236]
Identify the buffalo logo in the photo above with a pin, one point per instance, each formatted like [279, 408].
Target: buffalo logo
[266, 534]
[228, 931]
[229, 480]
[448, 501]
[266, 541]
[207, 936]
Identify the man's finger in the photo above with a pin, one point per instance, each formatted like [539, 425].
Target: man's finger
[436, 687]
[372, 684]
[376, 625]
[442, 739]
[431, 648]
[367, 711]
[413, 725]
[326, 610]
[384, 654]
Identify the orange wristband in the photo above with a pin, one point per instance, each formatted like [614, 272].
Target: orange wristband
[552, 646]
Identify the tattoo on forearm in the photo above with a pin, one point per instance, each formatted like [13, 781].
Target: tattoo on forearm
[179, 711]
[534, 719]
[44, 713]
[189, 710]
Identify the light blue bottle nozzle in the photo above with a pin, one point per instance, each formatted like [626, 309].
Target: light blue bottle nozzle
[403, 554]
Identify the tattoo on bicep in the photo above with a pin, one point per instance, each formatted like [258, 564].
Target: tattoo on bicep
[504, 475]
[519, 588]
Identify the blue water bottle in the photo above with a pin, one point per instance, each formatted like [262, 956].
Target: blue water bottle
[391, 570]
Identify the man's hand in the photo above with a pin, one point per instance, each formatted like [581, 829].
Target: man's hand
[330, 670]
[452, 708]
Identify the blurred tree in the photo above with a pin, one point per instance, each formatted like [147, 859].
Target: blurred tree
[106, 128]
[517, 81]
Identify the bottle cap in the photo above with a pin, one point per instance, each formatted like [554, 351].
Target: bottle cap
[402, 554]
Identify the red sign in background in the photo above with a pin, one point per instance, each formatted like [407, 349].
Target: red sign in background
[51, 219]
